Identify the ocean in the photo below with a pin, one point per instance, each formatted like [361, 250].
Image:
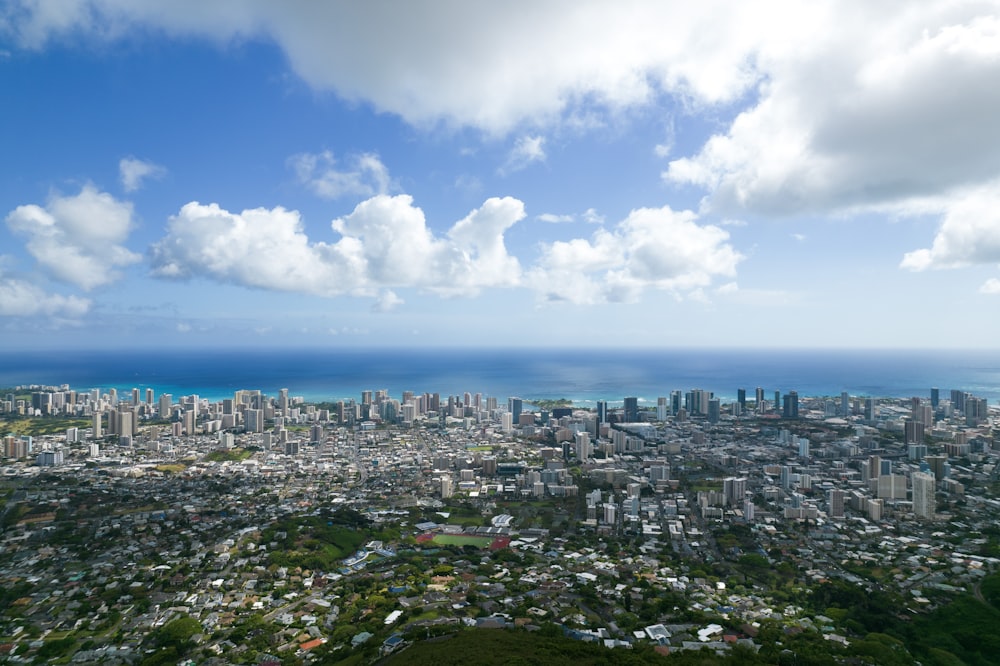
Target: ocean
[583, 376]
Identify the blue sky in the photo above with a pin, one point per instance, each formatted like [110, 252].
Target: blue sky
[469, 173]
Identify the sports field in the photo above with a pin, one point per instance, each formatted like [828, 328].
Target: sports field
[493, 543]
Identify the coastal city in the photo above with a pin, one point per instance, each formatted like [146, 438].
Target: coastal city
[775, 528]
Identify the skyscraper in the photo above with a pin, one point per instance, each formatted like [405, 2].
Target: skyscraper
[924, 503]
[662, 408]
[734, 490]
[835, 498]
[741, 402]
[631, 410]
[790, 409]
[602, 411]
[714, 410]
[514, 406]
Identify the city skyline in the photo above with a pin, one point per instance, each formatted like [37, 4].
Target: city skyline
[468, 174]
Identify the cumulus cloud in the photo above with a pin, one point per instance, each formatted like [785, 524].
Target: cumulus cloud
[454, 61]
[21, 298]
[969, 232]
[991, 286]
[384, 243]
[652, 248]
[387, 301]
[552, 218]
[133, 172]
[260, 248]
[591, 216]
[77, 239]
[363, 175]
[526, 150]
[885, 107]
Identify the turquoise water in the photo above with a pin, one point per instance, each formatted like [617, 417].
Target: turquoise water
[583, 376]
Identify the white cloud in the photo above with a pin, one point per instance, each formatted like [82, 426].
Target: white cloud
[134, 171]
[183, 327]
[78, 239]
[882, 107]
[969, 232]
[471, 63]
[387, 301]
[20, 298]
[591, 216]
[384, 243]
[364, 175]
[479, 238]
[991, 286]
[260, 248]
[552, 218]
[652, 248]
[526, 150]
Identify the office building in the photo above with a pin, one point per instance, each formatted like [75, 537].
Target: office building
[714, 410]
[924, 502]
[514, 406]
[631, 410]
[790, 407]
[734, 489]
[835, 499]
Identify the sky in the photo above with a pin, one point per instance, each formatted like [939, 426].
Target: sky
[529, 174]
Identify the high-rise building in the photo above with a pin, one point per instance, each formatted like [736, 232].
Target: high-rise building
[874, 509]
[734, 489]
[937, 465]
[514, 406]
[631, 410]
[870, 409]
[924, 502]
[447, 487]
[714, 410]
[662, 409]
[935, 398]
[913, 431]
[790, 408]
[835, 498]
[759, 399]
[254, 420]
[163, 408]
[741, 402]
[845, 404]
[602, 411]
[675, 402]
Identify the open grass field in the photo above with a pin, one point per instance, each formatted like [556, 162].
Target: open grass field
[493, 543]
